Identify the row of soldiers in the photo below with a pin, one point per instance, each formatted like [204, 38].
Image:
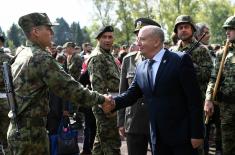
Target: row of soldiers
[34, 71]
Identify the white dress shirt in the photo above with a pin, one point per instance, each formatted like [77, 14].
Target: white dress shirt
[156, 64]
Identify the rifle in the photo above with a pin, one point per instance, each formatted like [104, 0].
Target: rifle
[189, 51]
[219, 75]
[7, 76]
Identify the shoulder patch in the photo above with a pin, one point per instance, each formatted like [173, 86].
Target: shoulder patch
[131, 54]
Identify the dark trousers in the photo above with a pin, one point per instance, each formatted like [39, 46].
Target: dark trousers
[164, 149]
[137, 144]
[89, 130]
[215, 119]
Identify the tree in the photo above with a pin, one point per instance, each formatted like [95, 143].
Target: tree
[62, 32]
[104, 9]
[214, 13]
[73, 29]
[92, 31]
[124, 17]
[1, 32]
[175, 8]
[15, 34]
[143, 8]
[77, 33]
[86, 34]
[123, 13]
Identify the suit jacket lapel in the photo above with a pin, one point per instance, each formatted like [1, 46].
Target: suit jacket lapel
[161, 67]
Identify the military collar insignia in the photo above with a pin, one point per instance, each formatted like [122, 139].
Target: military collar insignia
[139, 25]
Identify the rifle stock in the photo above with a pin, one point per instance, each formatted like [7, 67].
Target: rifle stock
[219, 75]
[196, 44]
[9, 88]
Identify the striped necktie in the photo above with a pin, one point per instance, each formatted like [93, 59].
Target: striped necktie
[150, 72]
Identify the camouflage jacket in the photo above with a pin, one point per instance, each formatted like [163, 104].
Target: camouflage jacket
[75, 66]
[34, 71]
[103, 71]
[227, 83]
[201, 60]
[3, 57]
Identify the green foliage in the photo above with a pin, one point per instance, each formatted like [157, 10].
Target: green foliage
[10, 44]
[122, 14]
[1, 32]
[215, 17]
[212, 12]
[126, 21]
[174, 9]
[62, 32]
[103, 8]
[86, 34]
[16, 35]
[77, 33]
[92, 31]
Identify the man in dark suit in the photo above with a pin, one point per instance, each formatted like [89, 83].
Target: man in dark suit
[133, 121]
[173, 98]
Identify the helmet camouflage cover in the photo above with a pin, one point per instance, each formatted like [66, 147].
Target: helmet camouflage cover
[230, 22]
[184, 19]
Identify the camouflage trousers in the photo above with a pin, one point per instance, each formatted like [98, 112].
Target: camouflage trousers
[227, 112]
[30, 140]
[4, 123]
[107, 140]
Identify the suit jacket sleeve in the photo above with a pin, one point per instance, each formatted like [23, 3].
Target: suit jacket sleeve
[193, 96]
[122, 88]
[129, 97]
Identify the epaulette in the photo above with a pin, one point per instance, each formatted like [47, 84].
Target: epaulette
[130, 54]
[19, 49]
[94, 53]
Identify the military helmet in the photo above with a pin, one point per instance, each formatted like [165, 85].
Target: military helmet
[141, 22]
[184, 19]
[230, 22]
[69, 44]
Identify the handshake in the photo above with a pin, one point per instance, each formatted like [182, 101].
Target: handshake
[109, 104]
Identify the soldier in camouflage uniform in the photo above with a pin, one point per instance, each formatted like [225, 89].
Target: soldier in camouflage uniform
[226, 95]
[34, 72]
[185, 29]
[4, 108]
[74, 61]
[104, 76]
[215, 119]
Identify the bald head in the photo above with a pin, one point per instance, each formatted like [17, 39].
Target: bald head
[150, 40]
[153, 31]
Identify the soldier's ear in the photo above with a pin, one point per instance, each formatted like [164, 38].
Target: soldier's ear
[35, 31]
